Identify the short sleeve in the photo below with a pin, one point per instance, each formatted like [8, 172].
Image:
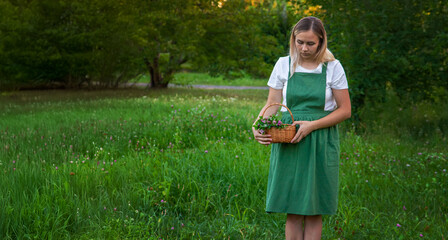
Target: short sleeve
[339, 80]
[279, 74]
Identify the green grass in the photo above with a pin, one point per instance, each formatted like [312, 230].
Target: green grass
[204, 79]
[181, 164]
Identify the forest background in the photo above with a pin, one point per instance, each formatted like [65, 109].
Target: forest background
[386, 45]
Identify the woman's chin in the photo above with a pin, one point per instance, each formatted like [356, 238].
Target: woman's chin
[305, 55]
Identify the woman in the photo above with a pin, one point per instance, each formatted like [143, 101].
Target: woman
[303, 174]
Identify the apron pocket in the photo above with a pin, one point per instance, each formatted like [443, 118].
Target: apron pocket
[332, 155]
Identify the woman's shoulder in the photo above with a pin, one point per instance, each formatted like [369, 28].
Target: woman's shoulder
[283, 60]
[282, 63]
[333, 64]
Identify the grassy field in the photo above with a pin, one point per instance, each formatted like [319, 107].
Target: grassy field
[187, 79]
[182, 164]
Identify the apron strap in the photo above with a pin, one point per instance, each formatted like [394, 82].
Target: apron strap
[324, 68]
[289, 66]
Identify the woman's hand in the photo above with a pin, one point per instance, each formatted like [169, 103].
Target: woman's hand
[264, 139]
[306, 127]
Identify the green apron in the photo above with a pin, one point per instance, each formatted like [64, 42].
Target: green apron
[303, 177]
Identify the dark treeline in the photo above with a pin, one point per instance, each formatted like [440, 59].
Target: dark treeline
[74, 43]
[397, 45]
[384, 45]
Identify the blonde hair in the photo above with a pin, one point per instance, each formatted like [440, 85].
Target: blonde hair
[306, 24]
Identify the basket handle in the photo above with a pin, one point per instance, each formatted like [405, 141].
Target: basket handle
[292, 117]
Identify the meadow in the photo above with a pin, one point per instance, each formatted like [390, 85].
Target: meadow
[182, 164]
[194, 78]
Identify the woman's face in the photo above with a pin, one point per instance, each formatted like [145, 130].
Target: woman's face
[307, 44]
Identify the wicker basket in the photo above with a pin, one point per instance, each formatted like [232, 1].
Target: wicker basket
[281, 135]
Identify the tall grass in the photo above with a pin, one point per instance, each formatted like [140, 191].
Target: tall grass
[181, 164]
[425, 122]
[183, 78]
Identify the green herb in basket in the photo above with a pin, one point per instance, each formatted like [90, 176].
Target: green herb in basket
[263, 124]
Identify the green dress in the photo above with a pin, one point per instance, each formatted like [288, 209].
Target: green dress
[303, 177]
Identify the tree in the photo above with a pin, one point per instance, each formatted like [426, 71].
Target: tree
[216, 36]
[397, 45]
[167, 35]
[237, 39]
[67, 43]
[73, 43]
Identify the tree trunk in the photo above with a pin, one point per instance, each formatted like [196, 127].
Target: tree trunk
[156, 75]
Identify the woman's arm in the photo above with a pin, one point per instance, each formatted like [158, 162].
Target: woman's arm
[275, 96]
[340, 114]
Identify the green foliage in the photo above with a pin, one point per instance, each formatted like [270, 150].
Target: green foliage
[423, 120]
[167, 34]
[268, 123]
[70, 43]
[399, 45]
[188, 79]
[387, 45]
[232, 40]
[66, 43]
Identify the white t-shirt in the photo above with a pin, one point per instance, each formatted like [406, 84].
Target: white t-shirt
[336, 79]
